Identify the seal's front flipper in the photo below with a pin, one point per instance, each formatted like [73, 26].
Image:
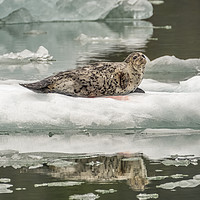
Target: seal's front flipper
[139, 90]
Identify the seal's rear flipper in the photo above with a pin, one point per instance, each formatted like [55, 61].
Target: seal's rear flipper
[40, 86]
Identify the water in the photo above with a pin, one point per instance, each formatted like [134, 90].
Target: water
[145, 146]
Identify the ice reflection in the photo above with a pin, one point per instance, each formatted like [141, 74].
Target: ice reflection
[100, 169]
[98, 175]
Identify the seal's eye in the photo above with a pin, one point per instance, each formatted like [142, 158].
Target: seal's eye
[134, 57]
[143, 56]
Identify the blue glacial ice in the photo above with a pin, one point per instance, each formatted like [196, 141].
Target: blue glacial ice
[73, 10]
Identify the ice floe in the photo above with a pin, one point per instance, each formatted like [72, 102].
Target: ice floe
[20, 189]
[59, 184]
[76, 10]
[158, 178]
[5, 180]
[156, 2]
[144, 196]
[163, 105]
[5, 188]
[89, 196]
[110, 191]
[41, 55]
[172, 69]
[173, 64]
[190, 183]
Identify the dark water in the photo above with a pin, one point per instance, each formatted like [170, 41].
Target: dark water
[166, 143]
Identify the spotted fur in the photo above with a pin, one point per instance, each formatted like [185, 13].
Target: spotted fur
[99, 79]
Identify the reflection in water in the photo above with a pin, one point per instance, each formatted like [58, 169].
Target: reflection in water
[117, 175]
[102, 169]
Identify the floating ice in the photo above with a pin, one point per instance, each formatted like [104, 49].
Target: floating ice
[157, 178]
[89, 196]
[59, 184]
[176, 163]
[188, 86]
[41, 55]
[147, 196]
[5, 180]
[20, 189]
[172, 69]
[156, 2]
[110, 191]
[4, 188]
[77, 10]
[190, 183]
[173, 64]
[177, 108]
[177, 176]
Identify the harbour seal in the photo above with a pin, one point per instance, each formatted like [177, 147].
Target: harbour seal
[96, 80]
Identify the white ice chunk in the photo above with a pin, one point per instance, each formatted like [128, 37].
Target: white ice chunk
[5, 180]
[189, 86]
[20, 189]
[89, 196]
[145, 196]
[173, 64]
[110, 191]
[177, 176]
[4, 188]
[59, 184]
[156, 2]
[176, 163]
[41, 55]
[190, 183]
[155, 108]
[157, 178]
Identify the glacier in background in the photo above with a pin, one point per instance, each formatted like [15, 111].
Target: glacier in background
[23, 11]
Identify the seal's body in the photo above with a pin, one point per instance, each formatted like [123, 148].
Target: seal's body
[95, 80]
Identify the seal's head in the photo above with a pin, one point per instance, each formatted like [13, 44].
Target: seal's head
[137, 60]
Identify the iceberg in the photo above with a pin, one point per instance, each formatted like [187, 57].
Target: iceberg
[23, 11]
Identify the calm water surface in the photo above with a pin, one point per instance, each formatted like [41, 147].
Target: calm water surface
[146, 147]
